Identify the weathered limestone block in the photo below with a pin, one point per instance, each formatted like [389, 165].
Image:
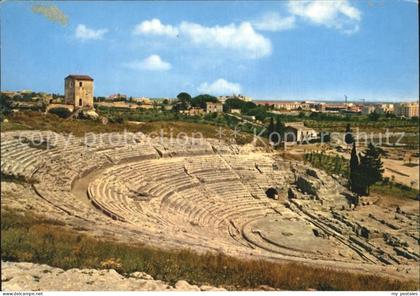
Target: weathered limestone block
[141, 275]
[185, 286]
[406, 254]
[90, 114]
[32, 277]
[319, 233]
[292, 193]
[394, 241]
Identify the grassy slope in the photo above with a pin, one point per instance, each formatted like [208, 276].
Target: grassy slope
[39, 121]
[328, 164]
[393, 125]
[31, 238]
[394, 191]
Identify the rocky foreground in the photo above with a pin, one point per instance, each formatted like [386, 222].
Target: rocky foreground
[34, 277]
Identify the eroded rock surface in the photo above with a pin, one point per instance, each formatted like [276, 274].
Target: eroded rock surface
[25, 276]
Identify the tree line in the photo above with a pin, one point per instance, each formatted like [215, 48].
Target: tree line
[185, 101]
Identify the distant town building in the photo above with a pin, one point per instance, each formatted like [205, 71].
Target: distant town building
[283, 105]
[298, 132]
[142, 100]
[384, 108]
[354, 108]
[367, 109]
[407, 109]
[194, 111]
[78, 91]
[117, 97]
[223, 99]
[336, 107]
[212, 107]
[165, 100]
[235, 111]
[321, 107]
[313, 106]
[288, 106]
[243, 98]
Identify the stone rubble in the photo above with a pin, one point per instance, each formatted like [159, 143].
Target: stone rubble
[25, 276]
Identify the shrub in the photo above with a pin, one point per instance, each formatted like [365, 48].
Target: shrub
[61, 112]
[111, 263]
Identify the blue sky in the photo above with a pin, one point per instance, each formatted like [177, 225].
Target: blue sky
[291, 50]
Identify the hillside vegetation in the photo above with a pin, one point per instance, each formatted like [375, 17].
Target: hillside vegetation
[40, 121]
[35, 239]
[338, 165]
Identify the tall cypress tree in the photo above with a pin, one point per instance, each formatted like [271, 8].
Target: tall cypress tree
[354, 175]
[354, 160]
[271, 129]
[280, 127]
[348, 138]
[371, 166]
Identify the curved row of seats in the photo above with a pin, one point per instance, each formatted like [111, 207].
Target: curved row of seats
[204, 190]
[213, 203]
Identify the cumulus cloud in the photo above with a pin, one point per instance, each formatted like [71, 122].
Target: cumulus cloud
[155, 27]
[85, 33]
[220, 87]
[53, 13]
[242, 38]
[338, 14]
[274, 22]
[151, 63]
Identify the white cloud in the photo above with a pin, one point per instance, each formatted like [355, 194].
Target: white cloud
[155, 27]
[151, 63]
[274, 22]
[338, 14]
[242, 38]
[220, 87]
[85, 33]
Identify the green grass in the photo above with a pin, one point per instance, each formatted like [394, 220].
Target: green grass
[394, 190]
[339, 166]
[380, 126]
[410, 141]
[40, 121]
[14, 126]
[34, 239]
[220, 120]
[337, 123]
[328, 163]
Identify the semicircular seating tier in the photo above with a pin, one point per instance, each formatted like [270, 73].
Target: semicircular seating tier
[197, 193]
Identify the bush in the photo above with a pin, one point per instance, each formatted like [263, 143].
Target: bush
[111, 263]
[5, 106]
[117, 119]
[61, 112]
